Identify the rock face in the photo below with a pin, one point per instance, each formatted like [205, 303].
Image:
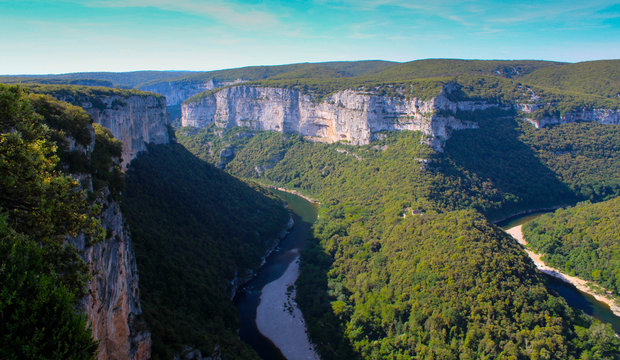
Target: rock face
[603, 116]
[113, 302]
[136, 119]
[350, 115]
[344, 116]
[177, 91]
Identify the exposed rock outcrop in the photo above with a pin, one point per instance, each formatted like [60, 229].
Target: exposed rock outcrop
[603, 116]
[347, 115]
[113, 302]
[354, 116]
[177, 91]
[134, 119]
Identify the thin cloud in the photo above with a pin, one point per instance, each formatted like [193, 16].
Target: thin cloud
[244, 16]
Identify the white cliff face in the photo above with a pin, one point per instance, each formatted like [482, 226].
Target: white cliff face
[344, 116]
[350, 115]
[113, 302]
[603, 116]
[177, 91]
[112, 305]
[135, 120]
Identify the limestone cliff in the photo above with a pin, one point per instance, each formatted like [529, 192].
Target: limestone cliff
[603, 116]
[113, 303]
[177, 91]
[347, 115]
[134, 119]
[354, 116]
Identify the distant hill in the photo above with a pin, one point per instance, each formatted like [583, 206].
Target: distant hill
[591, 77]
[293, 71]
[428, 68]
[132, 79]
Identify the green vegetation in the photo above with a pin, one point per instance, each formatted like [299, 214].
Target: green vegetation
[104, 163]
[584, 156]
[454, 67]
[79, 93]
[194, 229]
[70, 123]
[583, 241]
[41, 275]
[536, 168]
[132, 79]
[397, 269]
[327, 69]
[600, 78]
[450, 286]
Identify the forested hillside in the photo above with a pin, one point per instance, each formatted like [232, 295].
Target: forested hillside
[195, 229]
[583, 241]
[601, 78]
[42, 275]
[404, 272]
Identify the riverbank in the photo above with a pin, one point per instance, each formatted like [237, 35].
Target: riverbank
[517, 233]
[294, 192]
[519, 214]
[279, 319]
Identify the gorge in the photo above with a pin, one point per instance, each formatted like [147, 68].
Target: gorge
[403, 259]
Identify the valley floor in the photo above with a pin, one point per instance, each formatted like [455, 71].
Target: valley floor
[580, 284]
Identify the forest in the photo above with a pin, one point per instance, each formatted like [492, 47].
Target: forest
[194, 229]
[42, 276]
[582, 241]
[407, 272]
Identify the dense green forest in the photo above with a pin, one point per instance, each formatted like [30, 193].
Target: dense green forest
[78, 93]
[601, 78]
[42, 276]
[394, 285]
[583, 241]
[194, 229]
[537, 168]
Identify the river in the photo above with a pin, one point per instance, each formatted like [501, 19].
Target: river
[573, 296]
[275, 268]
[248, 300]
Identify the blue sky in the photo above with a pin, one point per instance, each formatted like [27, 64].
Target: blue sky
[47, 36]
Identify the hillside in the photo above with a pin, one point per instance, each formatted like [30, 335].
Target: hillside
[428, 68]
[198, 233]
[386, 290]
[582, 241]
[43, 277]
[221, 230]
[293, 71]
[600, 78]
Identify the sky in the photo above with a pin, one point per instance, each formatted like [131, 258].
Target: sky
[48, 36]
